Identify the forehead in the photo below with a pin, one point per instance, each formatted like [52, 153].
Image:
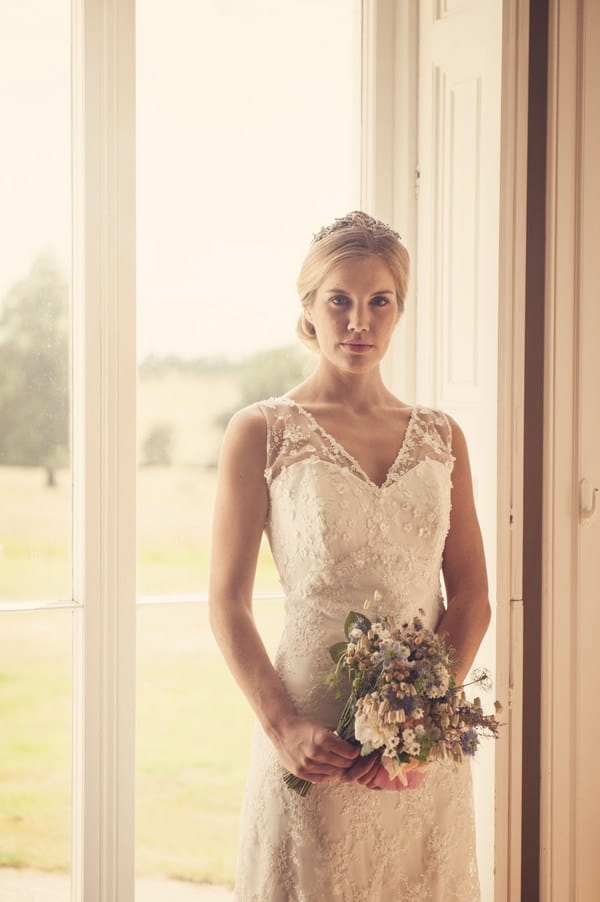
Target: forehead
[369, 273]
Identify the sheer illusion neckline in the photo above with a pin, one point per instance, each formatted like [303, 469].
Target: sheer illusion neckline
[337, 446]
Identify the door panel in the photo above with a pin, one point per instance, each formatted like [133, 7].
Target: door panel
[460, 47]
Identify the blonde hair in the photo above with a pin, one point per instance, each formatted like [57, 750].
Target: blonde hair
[354, 235]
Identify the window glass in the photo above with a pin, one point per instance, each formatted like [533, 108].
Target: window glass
[194, 729]
[35, 483]
[246, 145]
[35, 755]
[35, 98]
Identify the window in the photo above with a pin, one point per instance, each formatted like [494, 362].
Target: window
[35, 466]
[35, 277]
[246, 144]
[230, 182]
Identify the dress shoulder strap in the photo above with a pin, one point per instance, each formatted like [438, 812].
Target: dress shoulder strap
[431, 437]
[289, 435]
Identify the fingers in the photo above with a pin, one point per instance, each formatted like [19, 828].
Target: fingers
[363, 770]
[338, 750]
[324, 757]
[369, 777]
[312, 751]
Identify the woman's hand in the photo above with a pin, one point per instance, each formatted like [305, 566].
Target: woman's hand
[370, 772]
[364, 771]
[312, 751]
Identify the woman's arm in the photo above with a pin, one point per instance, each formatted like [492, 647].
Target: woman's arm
[468, 612]
[306, 747]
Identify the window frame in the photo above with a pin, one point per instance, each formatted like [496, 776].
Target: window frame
[104, 449]
[104, 385]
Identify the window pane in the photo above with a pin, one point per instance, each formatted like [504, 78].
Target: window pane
[35, 515]
[35, 751]
[193, 734]
[246, 145]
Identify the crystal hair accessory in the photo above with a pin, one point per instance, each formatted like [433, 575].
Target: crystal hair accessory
[356, 219]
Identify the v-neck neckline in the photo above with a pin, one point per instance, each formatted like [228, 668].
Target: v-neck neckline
[345, 453]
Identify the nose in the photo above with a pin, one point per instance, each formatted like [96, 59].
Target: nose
[359, 318]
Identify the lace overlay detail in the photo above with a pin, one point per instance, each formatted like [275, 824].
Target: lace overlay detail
[336, 536]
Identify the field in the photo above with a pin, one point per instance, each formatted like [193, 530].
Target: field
[193, 731]
[193, 725]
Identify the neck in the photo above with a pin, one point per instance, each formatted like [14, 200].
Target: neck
[359, 391]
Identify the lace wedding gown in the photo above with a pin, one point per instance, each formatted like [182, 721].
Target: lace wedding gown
[336, 536]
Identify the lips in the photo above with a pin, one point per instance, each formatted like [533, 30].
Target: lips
[357, 347]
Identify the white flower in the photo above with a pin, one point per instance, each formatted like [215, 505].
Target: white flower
[409, 742]
[371, 727]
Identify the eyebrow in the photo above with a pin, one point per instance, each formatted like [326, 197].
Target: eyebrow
[345, 291]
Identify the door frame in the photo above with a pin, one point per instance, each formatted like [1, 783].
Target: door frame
[568, 864]
[511, 404]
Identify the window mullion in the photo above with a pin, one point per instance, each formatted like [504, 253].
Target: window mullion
[104, 375]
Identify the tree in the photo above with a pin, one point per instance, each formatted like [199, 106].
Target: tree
[267, 374]
[273, 372]
[34, 370]
[157, 448]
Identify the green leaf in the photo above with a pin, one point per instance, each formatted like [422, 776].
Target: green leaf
[337, 651]
[355, 619]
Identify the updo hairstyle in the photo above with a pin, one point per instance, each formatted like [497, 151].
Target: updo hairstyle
[354, 235]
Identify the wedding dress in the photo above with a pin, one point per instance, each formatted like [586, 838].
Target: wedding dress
[337, 536]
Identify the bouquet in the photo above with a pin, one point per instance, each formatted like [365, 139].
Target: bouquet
[404, 701]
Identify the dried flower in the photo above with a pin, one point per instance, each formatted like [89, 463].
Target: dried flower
[403, 701]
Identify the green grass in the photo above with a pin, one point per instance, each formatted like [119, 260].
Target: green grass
[193, 724]
[35, 524]
[35, 755]
[174, 522]
[193, 736]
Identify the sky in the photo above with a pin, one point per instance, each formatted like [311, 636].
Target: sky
[246, 145]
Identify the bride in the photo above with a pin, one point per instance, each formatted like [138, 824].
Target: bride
[358, 492]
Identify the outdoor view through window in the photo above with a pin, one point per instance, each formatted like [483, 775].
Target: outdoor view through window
[247, 144]
[35, 477]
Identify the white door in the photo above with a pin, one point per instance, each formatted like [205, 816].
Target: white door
[460, 57]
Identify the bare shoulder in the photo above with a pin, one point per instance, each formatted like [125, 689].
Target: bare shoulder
[245, 436]
[462, 485]
[457, 437]
[248, 423]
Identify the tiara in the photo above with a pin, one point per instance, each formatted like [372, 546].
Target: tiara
[356, 219]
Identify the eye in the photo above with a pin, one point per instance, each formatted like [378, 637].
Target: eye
[338, 300]
[380, 301]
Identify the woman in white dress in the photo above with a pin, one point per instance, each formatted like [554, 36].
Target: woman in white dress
[357, 492]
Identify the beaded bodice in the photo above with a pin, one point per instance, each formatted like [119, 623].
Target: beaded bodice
[336, 536]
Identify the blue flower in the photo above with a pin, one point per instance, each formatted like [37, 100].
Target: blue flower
[469, 742]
